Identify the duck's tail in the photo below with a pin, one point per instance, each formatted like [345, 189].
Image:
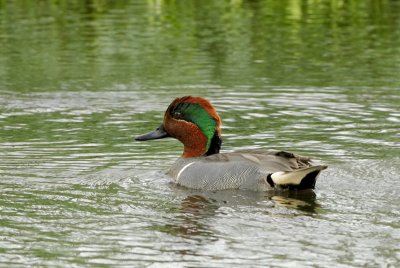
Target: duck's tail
[300, 179]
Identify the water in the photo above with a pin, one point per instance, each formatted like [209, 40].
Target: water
[79, 80]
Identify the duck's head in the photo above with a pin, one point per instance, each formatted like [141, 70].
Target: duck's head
[194, 122]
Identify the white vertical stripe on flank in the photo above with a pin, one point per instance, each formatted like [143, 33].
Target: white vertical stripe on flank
[180, 172]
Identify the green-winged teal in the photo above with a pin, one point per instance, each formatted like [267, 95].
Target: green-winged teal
[195, 122]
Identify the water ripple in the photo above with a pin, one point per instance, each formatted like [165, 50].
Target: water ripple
[74, 181]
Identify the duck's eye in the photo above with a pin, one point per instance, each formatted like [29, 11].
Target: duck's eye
[177, 115]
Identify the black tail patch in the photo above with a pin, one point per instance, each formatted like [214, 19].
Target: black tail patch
[308, 182]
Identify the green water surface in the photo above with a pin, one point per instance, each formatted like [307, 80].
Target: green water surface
[79, 79]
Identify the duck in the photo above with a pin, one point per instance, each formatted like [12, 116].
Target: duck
[194, 121]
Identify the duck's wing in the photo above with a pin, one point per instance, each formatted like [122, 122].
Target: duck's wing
[272, 160]
[284, 169]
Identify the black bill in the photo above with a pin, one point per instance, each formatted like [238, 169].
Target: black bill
[159, 133]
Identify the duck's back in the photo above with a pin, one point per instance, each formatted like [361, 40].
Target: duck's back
[245, 169]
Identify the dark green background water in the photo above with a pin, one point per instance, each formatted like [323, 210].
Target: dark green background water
[79, 79]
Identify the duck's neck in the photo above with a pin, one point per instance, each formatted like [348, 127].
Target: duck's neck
[215, 144]
[197, 146]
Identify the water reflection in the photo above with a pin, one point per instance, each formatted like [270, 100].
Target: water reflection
[198, 206]
[93, 44]
[304, 201]
[195, 209]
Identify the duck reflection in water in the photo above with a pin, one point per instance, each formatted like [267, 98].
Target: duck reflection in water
[304, 201]
[196, 209]
[190, 218]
